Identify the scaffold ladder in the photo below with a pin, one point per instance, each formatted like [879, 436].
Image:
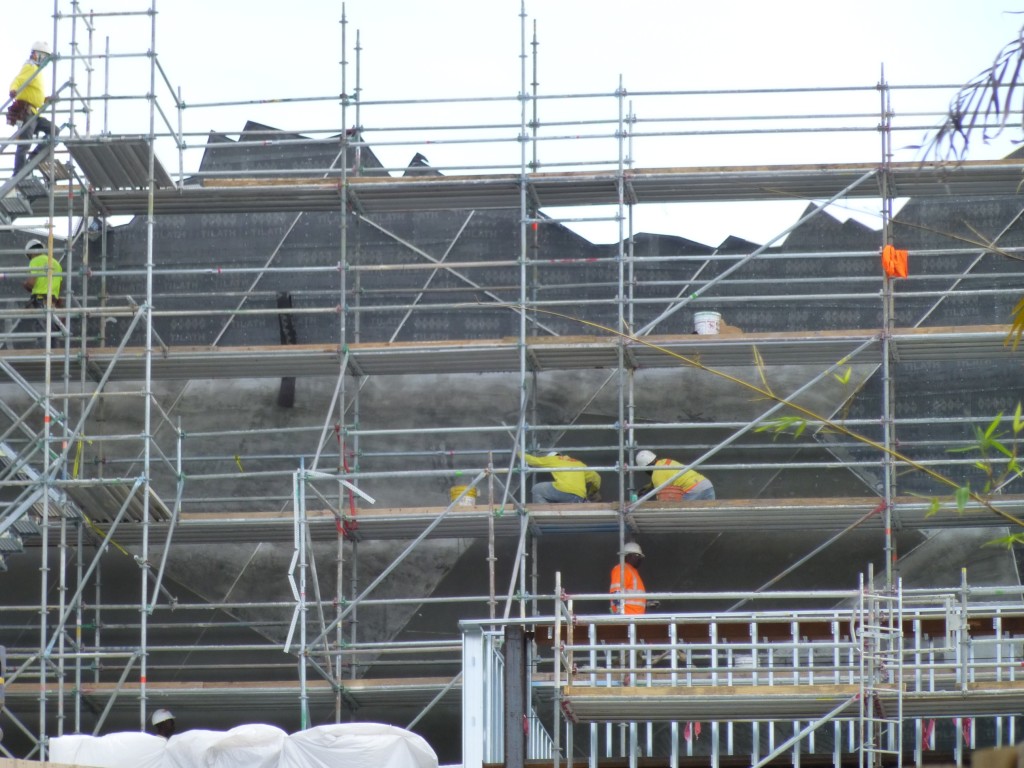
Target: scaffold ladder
[880, 636]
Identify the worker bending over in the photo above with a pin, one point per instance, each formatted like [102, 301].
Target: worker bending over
[572, 487]
[695, 486]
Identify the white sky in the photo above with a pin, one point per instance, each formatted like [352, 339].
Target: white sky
[226, 50]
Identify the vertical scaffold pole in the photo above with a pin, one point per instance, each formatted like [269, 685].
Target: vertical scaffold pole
[888, 322]
[147, 410]
[523, 233]
[556, 682]
[339, 634]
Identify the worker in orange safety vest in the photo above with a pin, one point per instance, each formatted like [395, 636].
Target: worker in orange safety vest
[626, 582]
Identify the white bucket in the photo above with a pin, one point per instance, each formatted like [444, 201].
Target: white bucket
[706, 323]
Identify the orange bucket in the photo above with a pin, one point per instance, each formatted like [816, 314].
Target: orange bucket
[671, 493]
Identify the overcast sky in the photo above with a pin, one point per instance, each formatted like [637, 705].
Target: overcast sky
[226, 50]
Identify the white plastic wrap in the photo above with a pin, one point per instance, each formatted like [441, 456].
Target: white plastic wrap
[247, 746]
[64, 748]
[345, 745]
[131, 749]
[357, 745]
[188, 749]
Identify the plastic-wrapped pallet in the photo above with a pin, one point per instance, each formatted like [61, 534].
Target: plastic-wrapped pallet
[187, 749]
[344, 745]
[356, 745]
[256, 745]
[130, 749]
[247, 746]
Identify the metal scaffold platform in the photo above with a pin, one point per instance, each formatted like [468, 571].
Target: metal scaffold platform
[543, 354]
[120, 192]
[844, 683]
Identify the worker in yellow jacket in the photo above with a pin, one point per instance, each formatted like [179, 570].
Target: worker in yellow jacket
[695, 486]
[28, 96]
[44, 278]
[627, 584]
[569, 487]
[43, 285]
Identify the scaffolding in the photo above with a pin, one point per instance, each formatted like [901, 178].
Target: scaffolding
[838, 683]
[104, 464]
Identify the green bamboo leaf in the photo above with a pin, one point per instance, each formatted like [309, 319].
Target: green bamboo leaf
[773, 425]
[933, 507]
[1017, 327]
[1004, 541]
[965, 449]
[1018, 425]
[994, 425]
[963, 495]
[843, 378]
[1002, 449]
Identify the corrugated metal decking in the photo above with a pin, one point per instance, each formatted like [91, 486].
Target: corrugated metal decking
[435, 193]
[118, 163]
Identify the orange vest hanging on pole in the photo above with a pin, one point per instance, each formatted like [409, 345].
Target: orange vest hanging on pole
[894, 262]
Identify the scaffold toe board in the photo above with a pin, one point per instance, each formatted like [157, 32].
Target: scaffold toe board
[545, 353]
[618, 703]
[250, 695]
[649, 518]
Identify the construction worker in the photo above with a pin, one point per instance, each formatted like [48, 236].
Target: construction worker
[695, 487]
[163, 722]
[43, 286]
[627, 583]
[568, 487]
[45, 276]
[27, 97]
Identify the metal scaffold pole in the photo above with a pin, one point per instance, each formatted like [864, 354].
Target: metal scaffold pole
[343, 214]
[888, 323]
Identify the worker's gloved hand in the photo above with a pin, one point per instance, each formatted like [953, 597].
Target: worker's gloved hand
[653, 605]
[594, 496]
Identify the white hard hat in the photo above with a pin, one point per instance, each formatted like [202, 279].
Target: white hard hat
[34, 246]
[162, 716]
[551, 453]
[42, 46]
[632, 548]
[643, 458]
